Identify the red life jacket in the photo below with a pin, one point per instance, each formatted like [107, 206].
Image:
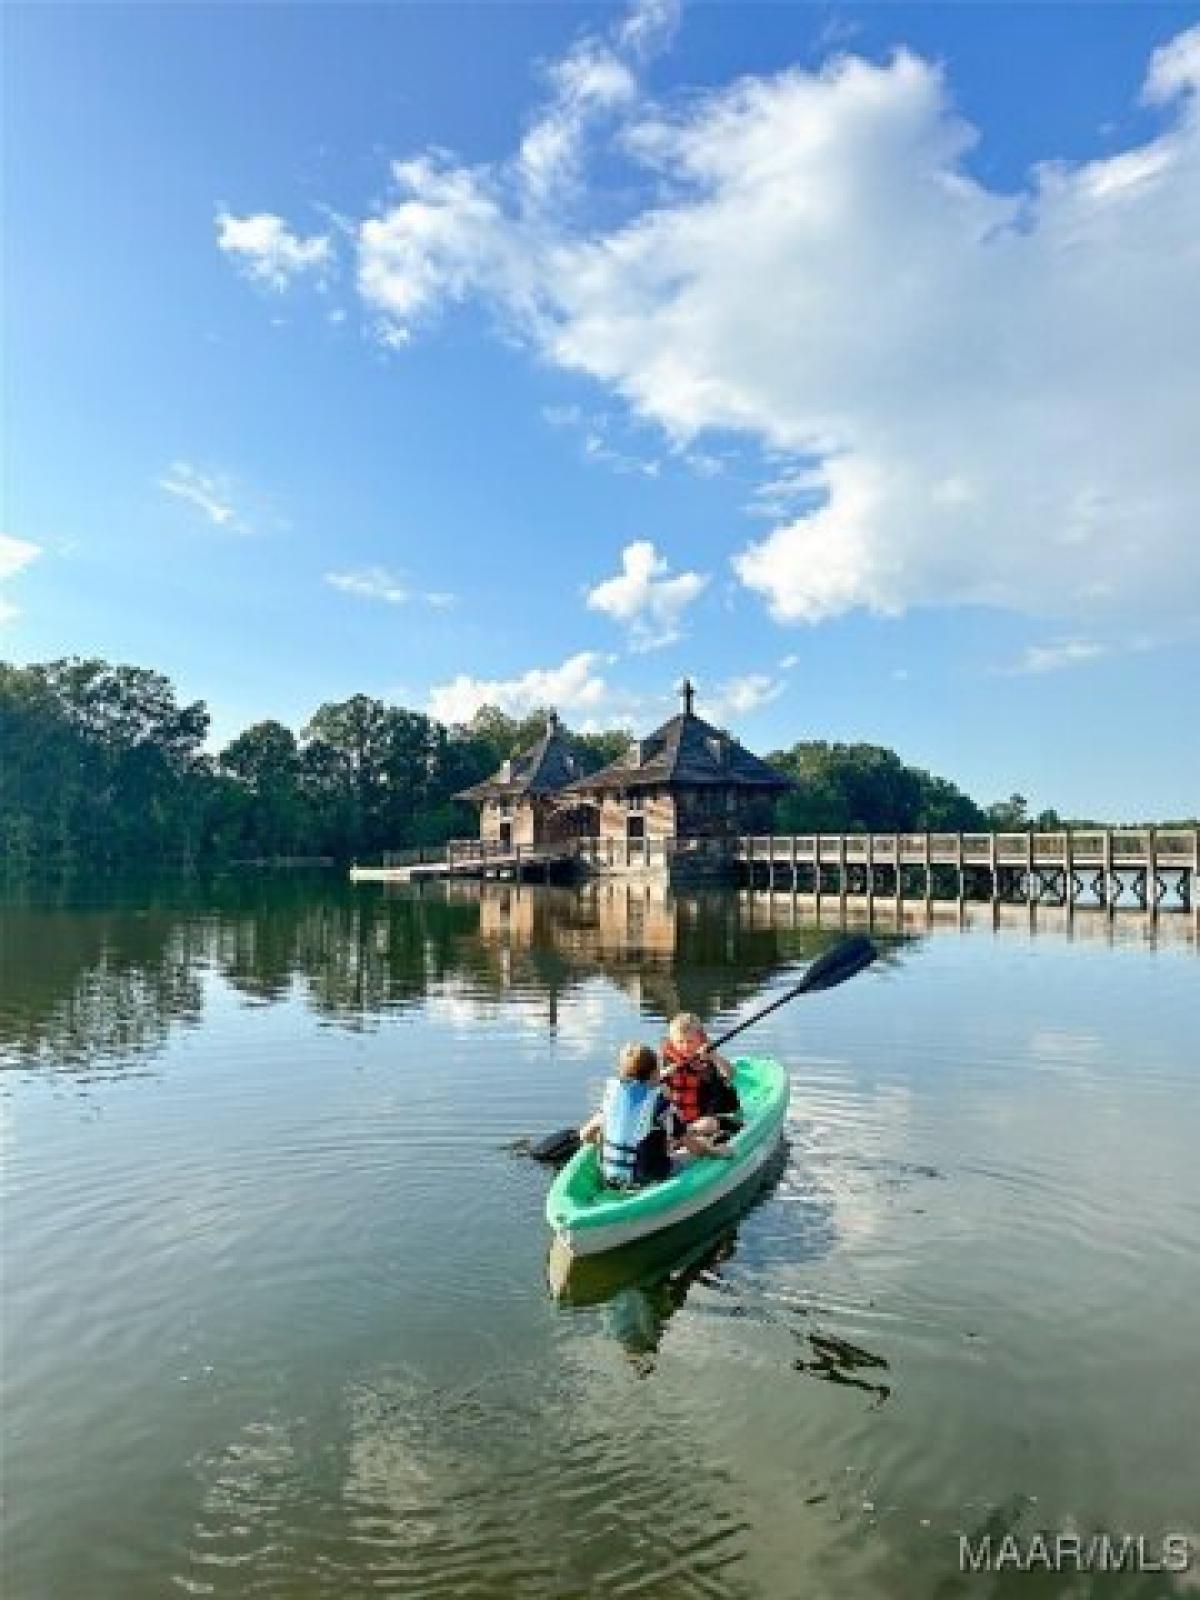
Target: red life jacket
[688, 1082]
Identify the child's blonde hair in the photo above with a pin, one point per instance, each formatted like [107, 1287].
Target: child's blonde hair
[684, 1026]
[637, 1062]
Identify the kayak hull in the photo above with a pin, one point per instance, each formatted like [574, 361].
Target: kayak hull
[590, 1219]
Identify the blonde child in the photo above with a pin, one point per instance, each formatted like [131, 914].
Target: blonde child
[699, 1081]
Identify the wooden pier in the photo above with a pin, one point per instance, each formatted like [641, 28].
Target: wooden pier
[1109, 870]
[1112, 870]
[473, 858]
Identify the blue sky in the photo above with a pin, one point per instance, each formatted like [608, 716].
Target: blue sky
[847, 358]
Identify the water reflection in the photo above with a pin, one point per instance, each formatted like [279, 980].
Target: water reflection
[277, 1323]
[645, 1284]
[77, 986]
[838, 1361]
[83, 985]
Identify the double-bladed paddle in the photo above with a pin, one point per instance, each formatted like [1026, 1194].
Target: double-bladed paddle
[845, 960]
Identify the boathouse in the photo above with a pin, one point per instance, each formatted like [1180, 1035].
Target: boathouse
[525, 801]
[686, 780]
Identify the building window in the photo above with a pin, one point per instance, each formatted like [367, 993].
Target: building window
[506, 807]
[636, 801]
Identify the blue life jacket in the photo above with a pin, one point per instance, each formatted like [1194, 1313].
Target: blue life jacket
[629, 1109]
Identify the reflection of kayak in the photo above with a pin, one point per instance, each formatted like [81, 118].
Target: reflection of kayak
[589, 1218]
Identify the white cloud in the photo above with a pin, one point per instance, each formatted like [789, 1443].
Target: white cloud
[591, 80]
[212, 494]
[371, 583]
[445, 237]
[379, 583]
[644, 598]
[1053, 657]
[267, 251]
[15, 556]
[597, 432]
[500, 230]
[574, 685]
[740, 696]
[648, 27]
[978, 396]
[597, 448]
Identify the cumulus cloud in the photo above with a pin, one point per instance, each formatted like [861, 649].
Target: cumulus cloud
[15, 556]
[267, 251]
[498, 230]
[575, 685]
[644, 598]
[968, 395]
[990, 398]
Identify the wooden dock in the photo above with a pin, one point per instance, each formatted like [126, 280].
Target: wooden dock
[1110, 870]
[473, 858]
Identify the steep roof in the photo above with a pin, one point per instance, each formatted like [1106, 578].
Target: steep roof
[547, 766]
[686, 750]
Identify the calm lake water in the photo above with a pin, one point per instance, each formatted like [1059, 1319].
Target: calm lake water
[279, 1318]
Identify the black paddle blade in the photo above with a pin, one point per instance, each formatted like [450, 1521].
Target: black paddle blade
[844, 961]
[556, 1148]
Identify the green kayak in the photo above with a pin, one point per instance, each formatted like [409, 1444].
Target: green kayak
[589, 1218]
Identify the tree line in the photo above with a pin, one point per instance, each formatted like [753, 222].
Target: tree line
[101, 765]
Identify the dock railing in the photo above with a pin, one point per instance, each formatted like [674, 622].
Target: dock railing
[1152, 867]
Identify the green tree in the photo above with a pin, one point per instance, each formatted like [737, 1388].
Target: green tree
[865, 787]
[123, 774]
[1009, 815]
[264, 764]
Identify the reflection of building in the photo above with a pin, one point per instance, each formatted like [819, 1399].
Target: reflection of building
[523, 802]
[669, 951]
[686, 780]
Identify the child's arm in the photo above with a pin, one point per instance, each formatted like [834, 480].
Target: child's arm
[723, 1065]
[593, 1129]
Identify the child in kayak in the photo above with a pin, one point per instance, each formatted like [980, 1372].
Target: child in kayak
[699, 1081]
[639, 1130]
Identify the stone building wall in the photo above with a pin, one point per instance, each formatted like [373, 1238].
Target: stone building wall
[656, 807]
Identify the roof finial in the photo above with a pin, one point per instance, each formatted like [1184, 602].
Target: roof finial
[687, 693]
[552, 721]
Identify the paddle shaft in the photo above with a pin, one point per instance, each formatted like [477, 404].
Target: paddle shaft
[854, 955]
[766, 1011]
[843, 961]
